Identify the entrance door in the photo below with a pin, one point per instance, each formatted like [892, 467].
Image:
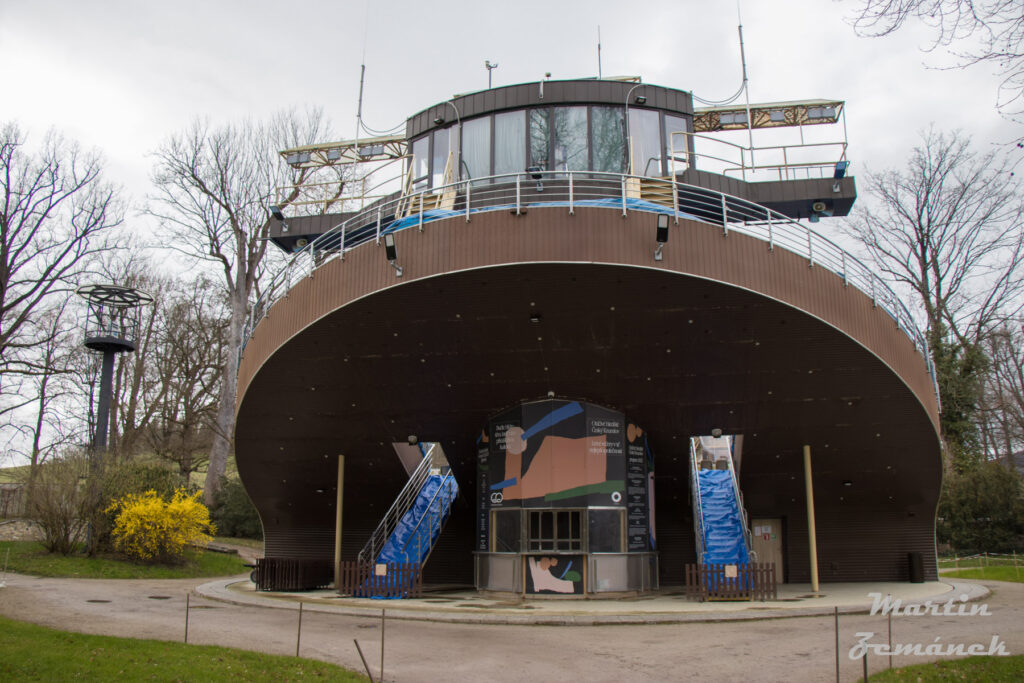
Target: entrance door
[767, 542]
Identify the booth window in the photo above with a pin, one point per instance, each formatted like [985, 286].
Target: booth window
[676, 143]
[507, 531]
[420, 162]
[509, 142]
[440, 157]
[540, 140]
[556, 530]
[607, 530]
[609, 139]
[571, 153]
[645, 141]
[476, 149]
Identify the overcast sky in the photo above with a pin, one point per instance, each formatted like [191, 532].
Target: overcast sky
[123, 74]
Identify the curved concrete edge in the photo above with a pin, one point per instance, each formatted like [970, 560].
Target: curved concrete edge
[230, 591]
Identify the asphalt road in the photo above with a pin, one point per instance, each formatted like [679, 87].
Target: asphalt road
[790, 649]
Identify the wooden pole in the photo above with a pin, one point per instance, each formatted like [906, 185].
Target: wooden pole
[811, 534]
[186, 615]
[298, 632]
[337, 522]
[365, 665]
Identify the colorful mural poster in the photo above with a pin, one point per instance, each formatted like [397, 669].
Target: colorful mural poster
[554, 574]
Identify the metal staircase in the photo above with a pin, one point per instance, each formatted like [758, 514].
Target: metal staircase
[719, 516]
[411, 526]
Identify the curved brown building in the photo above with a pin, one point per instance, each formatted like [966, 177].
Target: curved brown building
[532, 273]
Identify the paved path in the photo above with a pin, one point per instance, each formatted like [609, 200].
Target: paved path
[778, 649]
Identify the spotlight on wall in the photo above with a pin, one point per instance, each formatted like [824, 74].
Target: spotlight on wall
[716, 432]
[641, 99]
[412, 440]
[278, 215]
[392, 253]
[661, 235]
[439, 120]
[537, 173]
[847, 482]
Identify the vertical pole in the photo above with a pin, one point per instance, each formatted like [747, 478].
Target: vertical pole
[811, 535]
[865, 666]
[890, 636]
[1015, 567]
[337, 522]
[382, 621]
[187, 595]
[298, 632]
[835, 613]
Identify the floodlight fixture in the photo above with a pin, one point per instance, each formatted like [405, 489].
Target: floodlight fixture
[392, 253]
[278, 215]
[438, 120]
[641, 99]
[661, 235]
[537, 173]
[716, 432]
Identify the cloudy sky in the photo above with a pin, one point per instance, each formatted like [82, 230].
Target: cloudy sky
[123, 74]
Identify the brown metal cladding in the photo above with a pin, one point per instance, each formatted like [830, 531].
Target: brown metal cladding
[524, 95]
[722, 333]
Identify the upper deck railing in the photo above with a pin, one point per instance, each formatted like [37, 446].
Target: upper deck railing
[572, 189]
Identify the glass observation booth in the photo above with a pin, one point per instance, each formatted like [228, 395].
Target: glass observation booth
[565, 502]
[551, 139]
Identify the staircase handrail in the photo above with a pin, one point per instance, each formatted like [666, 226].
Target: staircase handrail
[739, 503]
[429, 511]
[698, 510]
[403, 502]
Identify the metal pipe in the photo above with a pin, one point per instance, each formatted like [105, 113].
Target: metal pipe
[811, 534]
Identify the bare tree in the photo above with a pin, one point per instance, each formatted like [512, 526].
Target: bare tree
[1003, 399]
[948, 229]
[974, 30]
[189, 366]
[213, 189]
[54, 211]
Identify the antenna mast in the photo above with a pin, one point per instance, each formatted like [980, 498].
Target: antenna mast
[746, 87]
[598, 52]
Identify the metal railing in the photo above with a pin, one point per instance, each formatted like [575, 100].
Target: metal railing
[403, 503]
[570, 190]
[791, 162]
[698, 511]
[443, 503]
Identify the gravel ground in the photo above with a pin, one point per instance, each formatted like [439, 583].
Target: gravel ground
[790, 649]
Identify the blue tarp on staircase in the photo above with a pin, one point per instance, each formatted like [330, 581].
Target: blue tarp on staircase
[724, 541]
[412, 539]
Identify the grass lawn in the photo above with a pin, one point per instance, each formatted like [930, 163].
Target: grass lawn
[34, 653]
[974, 669]
[29, 557]
[1000, 573]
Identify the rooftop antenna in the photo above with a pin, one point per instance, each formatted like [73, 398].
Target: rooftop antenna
[599, 52]
[746, 85]
[490, 67]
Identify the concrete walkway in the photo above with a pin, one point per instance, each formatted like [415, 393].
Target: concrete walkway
[664, 607]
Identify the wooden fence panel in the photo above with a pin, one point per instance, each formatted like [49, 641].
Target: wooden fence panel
[753, 581]
[399, 580]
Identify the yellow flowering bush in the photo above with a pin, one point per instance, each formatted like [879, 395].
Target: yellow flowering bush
[148, 528]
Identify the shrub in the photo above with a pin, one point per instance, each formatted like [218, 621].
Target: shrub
[234, 513]
[150, 529]
[124, 479]
[58, 502]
